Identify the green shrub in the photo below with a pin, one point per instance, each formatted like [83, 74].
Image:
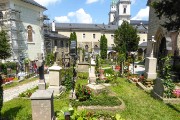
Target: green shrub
[28, 92]
[83, 93]
[82, 75]
[67, 82]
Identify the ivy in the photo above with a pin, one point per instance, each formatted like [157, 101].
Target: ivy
[166, 75]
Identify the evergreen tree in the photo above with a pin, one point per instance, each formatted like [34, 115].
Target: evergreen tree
[103, 47]
[170, 10]
[73, 37]
[5, 49]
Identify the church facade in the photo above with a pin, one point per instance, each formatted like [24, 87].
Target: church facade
[23, 21]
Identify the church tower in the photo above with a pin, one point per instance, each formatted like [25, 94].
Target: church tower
[112, 13]
[123, 11]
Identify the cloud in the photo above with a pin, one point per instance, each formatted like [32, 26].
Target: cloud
[143, 14]
[79, 16]
[47, 2]
[62, 19]
[91, 1]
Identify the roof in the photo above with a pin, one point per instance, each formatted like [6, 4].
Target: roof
[104, 27]
[55, 35]
[144, 44]
[137, 22]
[34, 3]
[82, 26]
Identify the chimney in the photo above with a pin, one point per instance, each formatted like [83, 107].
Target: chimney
[53, 26]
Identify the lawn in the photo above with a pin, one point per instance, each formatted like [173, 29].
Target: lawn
[139, 105]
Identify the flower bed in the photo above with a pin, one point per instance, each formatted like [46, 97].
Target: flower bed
[176, 93]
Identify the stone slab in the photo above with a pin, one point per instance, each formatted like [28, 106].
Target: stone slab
[42, 105]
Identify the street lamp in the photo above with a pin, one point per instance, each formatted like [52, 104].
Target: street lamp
[73, 54]
[133, 57]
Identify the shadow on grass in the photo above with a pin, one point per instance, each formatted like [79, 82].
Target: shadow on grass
[173, 107]
[11, 113]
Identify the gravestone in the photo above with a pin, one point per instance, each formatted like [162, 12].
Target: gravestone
[151, 63]
[55, 79]
[42, 99]
[92, 76]
[158, 89]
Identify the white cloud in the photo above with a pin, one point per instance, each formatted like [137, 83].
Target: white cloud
[79, 16]
[143, 14]
[47, 2]
[91, 1]
[62, 19]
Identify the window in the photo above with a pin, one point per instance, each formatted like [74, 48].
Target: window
[55, 43]
[84, 35]
[124, 11]
[112, 36]
[30, 33]
[66, 44]
[94, 36]
[61, 44]
[86, 48]
[143, 39]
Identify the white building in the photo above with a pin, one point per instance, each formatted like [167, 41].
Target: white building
[23, 21]
[88, 35]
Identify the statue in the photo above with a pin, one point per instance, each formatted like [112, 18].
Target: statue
[40, 66]
[55, 54]
[152, 47]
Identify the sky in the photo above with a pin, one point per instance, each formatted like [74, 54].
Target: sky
[89, 11]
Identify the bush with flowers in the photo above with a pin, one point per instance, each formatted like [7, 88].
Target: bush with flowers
[83, 93]
[176, 93]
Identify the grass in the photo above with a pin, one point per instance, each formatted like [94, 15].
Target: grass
[14, 84]
[141, 106]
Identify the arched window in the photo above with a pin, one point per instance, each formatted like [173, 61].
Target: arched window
[30, 33]
[86, 48]
[124, 10]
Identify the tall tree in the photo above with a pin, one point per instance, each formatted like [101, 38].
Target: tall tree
[170, 10]
[103, 47]
[5, 48]
[73, 37]
[126, 40]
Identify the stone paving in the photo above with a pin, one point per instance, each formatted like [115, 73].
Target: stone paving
[11, 93]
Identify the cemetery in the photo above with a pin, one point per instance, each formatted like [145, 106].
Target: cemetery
[100, 93]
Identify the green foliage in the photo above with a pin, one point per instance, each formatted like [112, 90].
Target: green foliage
[1, 94]
[102, 99]
[28, 92]
[11, 65]
[103, 47]
[49, 59]
[166, 75]
[73, 37]
[5, 48]
[126, 38]
[26, 60]
[168, 9]
[83, 93]
[82, 75]
[97, 64]
[3, 68]
[68, 83]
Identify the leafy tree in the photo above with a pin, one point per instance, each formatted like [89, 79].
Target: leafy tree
[103, 47]
[170, 10]
[5, 48]
[126, 40]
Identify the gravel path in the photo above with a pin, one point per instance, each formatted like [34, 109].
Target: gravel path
[11, 93]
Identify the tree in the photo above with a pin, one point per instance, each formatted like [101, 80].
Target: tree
[5, 48]
[126, 40]
[1, 94]
[170, 10]
[73, 37]
[103, 47]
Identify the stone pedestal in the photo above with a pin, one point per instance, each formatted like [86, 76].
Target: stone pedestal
[83, 67]
[55, 80]
[42, 105]
[42, 85]
[92, 76]
[150, 68]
